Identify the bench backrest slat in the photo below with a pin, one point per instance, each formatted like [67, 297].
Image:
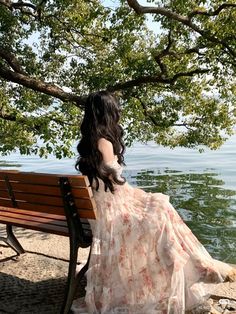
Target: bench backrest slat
[61, 230]
[47, 200]
[38, 219]
[33, 213]
[42, 192]
[43, 179]
[83, 192]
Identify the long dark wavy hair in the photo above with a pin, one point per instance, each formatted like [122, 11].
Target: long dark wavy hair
[101, 120]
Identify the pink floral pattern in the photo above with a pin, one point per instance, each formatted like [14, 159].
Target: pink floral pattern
[145, 259]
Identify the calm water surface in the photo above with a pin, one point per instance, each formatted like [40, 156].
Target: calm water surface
[202, 187]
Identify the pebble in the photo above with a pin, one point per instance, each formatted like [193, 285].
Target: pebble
[223, 306]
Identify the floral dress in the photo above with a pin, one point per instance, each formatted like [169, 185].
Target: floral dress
[145, 260]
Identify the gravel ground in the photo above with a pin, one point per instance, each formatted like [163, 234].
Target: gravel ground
[34, 282]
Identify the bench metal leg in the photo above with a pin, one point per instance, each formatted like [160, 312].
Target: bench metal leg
[71, 280]
[12, 241]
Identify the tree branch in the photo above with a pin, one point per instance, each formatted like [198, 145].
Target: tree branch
[19, 76]
[6, 3]
[6, 116]
[155, 122]
[185, 20]
[24, 7]
[41, 86]
[12, 117]
[55, 91]
[163, 53]
[212, 13]
[11, 60]
[68, 28]
[145, 112]
[17, 5]
[186, 74]
[21, 4]
[154, 79]
[139, 9]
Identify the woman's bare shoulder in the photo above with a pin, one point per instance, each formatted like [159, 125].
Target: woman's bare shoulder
[106, 148]
[104, 141]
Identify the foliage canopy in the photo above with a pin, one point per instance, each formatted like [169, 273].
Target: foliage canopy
[171, 62]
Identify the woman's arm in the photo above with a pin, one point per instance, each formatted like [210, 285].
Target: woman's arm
[106, 148]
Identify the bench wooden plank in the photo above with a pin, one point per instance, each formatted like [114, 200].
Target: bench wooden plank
[47, 222]
[84, 192]
[83, 213]
[21, 198]
[3, 185]
[60, 230]
[5, 202]
[43, 179]
[42, 220]
[35, 207]
[32, 198]
[32, 213]
[35, 189]
[88, 214]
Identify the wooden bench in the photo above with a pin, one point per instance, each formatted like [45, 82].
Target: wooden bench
[53, 203]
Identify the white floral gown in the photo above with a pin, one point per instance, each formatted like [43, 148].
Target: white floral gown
[144, 259]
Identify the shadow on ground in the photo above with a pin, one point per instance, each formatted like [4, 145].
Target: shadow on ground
[33, 284]
[22, 296]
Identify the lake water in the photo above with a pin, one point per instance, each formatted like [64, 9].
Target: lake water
[202, 187]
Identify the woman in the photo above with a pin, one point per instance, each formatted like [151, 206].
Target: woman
[144, 260]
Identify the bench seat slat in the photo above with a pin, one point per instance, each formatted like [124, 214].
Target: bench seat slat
[60, 230]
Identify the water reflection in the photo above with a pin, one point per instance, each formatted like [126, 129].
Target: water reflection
[207, 207]
[5, 164]
[202, 199]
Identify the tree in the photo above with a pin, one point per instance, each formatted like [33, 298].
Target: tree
[176, 84]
